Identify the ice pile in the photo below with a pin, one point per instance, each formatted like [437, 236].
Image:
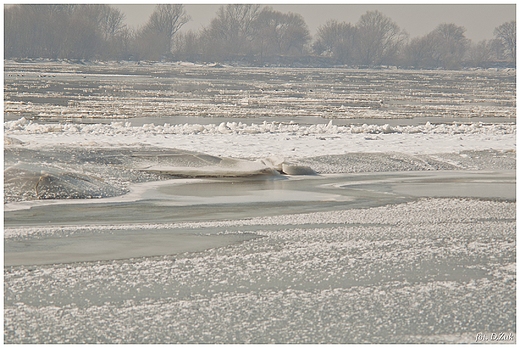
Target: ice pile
[24, 126]
[85, 174]
[191, 164]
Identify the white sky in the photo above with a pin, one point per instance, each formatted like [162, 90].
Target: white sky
[417, 19]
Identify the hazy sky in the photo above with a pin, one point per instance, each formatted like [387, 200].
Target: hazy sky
[417, 19]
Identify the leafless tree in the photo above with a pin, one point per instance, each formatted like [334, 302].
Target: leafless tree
[294, 34]
[378, 39]
[102, 30]
[231, 32]
[111, 22]
[479, 54]
[497, 50]
[336, 40]
[506, 33]
[444, 47]
[62, 31]
[186, 46]
[94, 31]
[154, 40]
[278, 33]
[450, 45]
[418, 52]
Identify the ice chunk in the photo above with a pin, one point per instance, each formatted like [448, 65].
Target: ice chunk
[12, 141]
[226, 167]
[291, 169]
[190, 164]
[27, 181]
[274, 162]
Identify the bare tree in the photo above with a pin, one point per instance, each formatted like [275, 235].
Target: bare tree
[154, 40]
[85, 31]
[444, 47]
[336, 40]
[101, 31]
[267, 27]
[37, 30]
[479, 54]
[186, 46]
[450, 45]
[111, 22]
[419, 52]
[497, 49]
[294, 34]
[506, 33]
[278, 33]
[15, 40]
[231, 32]
[378, 39]
[63, 31]
[83, 41]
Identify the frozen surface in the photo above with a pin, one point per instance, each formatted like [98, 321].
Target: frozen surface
[177, 200]
[165, 203]
[31, 181]
[270, 139]
[431, 271]
[108, 91]
[111, 244]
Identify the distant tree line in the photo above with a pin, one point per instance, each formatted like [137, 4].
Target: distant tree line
[251, 34]
[65, 31]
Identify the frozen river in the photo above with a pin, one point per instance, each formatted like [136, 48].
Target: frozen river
[198, 204]
[157, 207]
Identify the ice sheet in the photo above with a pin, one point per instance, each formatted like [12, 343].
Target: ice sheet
[122, 91]
[426, 271]
[363, 255]
[117, 244]
[206, 200]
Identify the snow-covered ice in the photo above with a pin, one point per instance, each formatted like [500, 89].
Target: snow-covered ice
[164, 203]
[268, 139]
[427, 271]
